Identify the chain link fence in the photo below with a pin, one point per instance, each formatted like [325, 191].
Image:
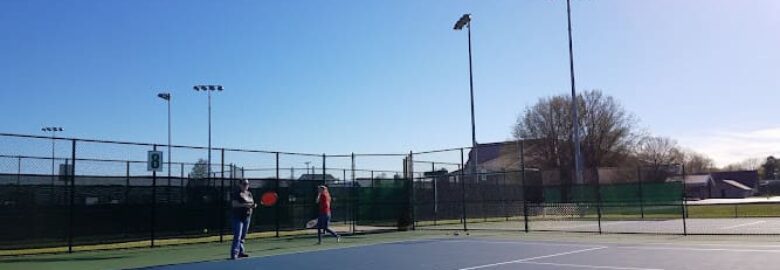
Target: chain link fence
[64, 192]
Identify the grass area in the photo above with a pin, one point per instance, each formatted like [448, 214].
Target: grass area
[175, 254]
[734, 211]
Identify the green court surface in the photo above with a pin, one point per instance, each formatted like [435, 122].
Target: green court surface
[143, 257]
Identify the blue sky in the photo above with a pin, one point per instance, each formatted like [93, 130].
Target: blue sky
[386, 76]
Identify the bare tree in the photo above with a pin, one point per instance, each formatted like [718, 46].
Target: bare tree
[658, 151]
[696, 163]
[607, 131]
[750, 164]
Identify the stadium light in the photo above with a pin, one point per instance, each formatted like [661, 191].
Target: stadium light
[465, 21]
[208, 89]
[53, 131]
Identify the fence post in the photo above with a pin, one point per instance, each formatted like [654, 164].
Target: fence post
[276, 188]
[346, 205]
[127, 198]
[522, 177]
[222, 203]
[182, 195]
[463, 191]
[503, 193]
[598, 201]
[684, 203]
[355, 196]
[641, 192]
[525, 197]
[323, 169]
[411, 182]
[18, 171]
[72, 196]
[153, 219]
[435, 194]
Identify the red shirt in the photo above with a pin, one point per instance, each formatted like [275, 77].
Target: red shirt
[325, 203]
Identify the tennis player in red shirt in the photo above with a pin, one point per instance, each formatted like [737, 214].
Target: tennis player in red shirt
[323, 199]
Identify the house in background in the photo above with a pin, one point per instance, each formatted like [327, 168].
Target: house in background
[698, 186]
[736, 184]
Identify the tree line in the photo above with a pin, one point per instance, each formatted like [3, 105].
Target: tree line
[610, 137]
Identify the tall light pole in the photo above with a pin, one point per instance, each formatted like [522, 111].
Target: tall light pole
[208, 89]
[465, 20]
[53, 131]
[574, 117]
[167, 98]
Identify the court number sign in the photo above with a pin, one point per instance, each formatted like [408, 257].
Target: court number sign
[154, 161]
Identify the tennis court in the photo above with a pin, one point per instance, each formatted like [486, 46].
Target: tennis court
[469, 253]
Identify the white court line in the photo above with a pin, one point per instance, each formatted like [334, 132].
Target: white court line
[743, 225]
[527, 243]
[603, 224]
[532, 258]
[591, 266]
[700, 249]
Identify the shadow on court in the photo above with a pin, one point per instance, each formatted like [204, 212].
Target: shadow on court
[62, 259]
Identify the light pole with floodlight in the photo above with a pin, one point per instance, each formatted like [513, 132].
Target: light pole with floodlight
[53, 131]
[465, 21]
[208, 89]
[167, 98]
[574, 112]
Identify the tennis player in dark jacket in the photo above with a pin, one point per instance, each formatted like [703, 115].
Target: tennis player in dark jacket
[243, 204]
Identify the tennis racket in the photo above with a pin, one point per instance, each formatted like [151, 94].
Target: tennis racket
[311, 224]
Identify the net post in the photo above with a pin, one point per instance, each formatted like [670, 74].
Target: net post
[153, 219]
[463, 191]
[72, 196]
[276, 206]
[222, 203]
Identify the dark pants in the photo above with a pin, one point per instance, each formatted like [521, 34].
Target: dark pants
[322, 225]
[240, 228]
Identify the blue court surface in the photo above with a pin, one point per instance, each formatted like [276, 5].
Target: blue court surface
[468, 253]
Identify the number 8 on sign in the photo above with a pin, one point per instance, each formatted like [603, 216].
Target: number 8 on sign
[154, 161]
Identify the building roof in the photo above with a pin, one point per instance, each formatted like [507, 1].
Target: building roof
[747, 178]
[694, 180]
[504, 156]
[737, 184]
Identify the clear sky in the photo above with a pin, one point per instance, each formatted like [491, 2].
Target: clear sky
[386, 76]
